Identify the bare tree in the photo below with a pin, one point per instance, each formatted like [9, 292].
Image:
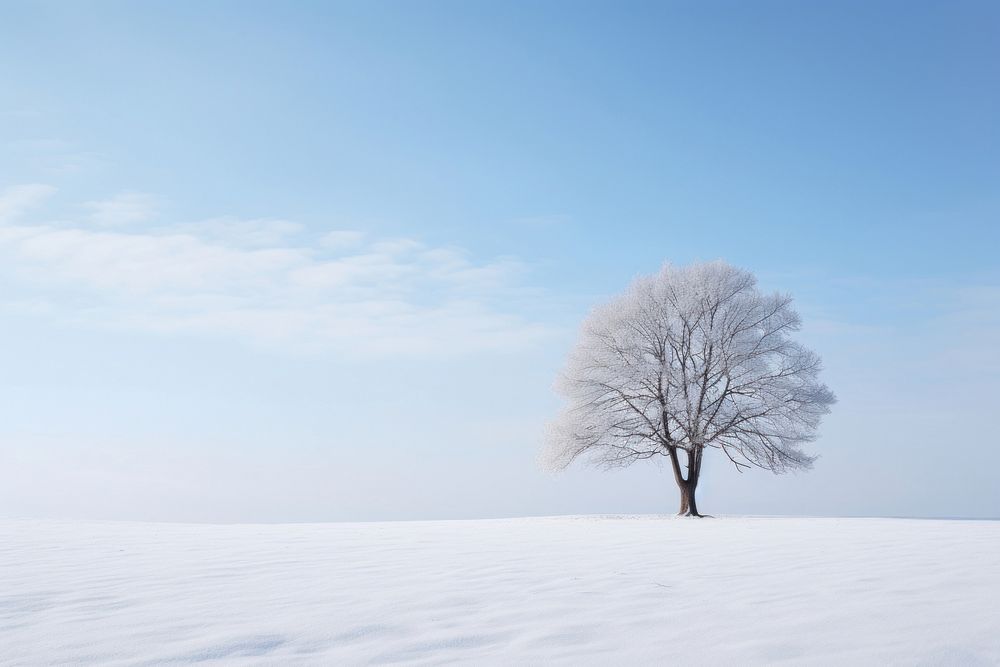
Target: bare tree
[689, 359]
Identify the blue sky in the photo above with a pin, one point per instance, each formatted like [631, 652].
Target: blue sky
[310, 261]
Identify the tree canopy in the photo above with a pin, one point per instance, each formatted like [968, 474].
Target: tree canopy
[690, 358]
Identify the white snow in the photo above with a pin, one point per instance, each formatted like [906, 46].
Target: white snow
[566, 590]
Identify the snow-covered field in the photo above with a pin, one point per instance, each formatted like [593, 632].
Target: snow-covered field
[569, 590]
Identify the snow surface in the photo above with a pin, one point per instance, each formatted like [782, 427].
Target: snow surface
[569, 590]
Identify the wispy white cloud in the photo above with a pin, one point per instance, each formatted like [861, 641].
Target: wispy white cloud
[267, 281]
[123, 209]
[19, 199]
[341, 239]
[256, 232]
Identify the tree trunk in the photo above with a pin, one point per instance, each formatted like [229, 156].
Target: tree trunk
[689, 507]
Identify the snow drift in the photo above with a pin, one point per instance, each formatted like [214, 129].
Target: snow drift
[570, 590]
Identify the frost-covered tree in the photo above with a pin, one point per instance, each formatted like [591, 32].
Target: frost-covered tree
[689, 359]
